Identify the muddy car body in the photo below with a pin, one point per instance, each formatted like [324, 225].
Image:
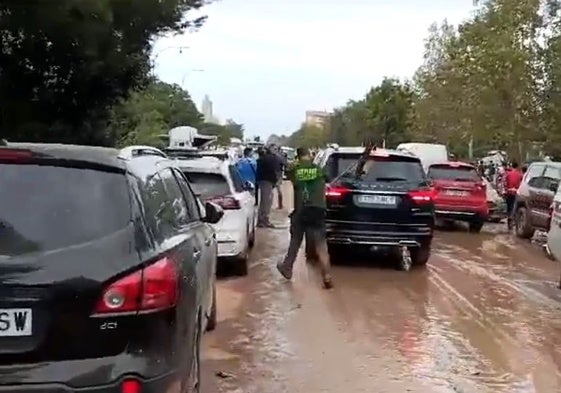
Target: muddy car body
[535, 197]
[107, 271]
[390, 207]
[459, 193]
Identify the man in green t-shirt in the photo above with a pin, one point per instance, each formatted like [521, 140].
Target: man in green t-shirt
[308, 216]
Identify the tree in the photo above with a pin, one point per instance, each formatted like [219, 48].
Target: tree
[480, 82]
[65, 63]
[151, 112]
[384, 113]
[223, 132]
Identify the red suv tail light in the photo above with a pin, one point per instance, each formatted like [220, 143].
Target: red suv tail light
[336, 192]
[226, 202]
[422, 197]
[151, 289]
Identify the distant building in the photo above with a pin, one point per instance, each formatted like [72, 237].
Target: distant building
[318, 118]
[206, 109]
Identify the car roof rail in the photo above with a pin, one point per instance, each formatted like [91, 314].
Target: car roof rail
[130, 152]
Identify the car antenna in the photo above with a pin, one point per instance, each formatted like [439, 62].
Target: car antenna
[358, 166]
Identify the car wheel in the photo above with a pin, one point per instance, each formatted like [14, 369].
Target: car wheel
[251, 241]
[523, 228]
[212, 318]
[194, 383]
[475, 226]
[420, 256]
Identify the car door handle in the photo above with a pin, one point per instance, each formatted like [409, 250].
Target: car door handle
[197, 254]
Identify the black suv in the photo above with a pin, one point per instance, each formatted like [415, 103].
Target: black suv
[107, 271]
[390, 206]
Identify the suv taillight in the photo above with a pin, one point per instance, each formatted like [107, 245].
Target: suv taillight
[227, 202]
[336, 192]
[151, 289]
[422, 197]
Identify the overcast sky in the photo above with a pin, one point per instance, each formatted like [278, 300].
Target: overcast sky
[265, 62]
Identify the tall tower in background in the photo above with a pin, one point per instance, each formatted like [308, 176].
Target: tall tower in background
[206, 109]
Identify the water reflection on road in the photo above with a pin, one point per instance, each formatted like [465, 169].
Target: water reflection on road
[482, 317]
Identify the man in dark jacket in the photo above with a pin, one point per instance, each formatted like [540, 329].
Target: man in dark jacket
[266, 179]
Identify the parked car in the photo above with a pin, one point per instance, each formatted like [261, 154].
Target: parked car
[534, 198]
[219, 182]
[107, 271]
[389, 208]
[553, 247]
[459, 193]
[495, 203]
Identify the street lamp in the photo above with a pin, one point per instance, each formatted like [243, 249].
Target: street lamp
[155, 58]
[186, 74]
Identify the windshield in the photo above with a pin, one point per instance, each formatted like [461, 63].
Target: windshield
[390, 170]
[45, 208]
[208, 185]
[447, 172]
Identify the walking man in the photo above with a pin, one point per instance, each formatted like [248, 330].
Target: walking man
[308, 216]
[512, 180]
[266, 180]
[281, 167]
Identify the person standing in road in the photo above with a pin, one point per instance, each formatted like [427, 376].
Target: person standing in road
[281, 166]
[247, 167]
[266, 180]
[308, 216]
[512, 180]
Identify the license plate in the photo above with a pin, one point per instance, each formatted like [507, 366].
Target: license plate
[377, 199]
[15, 322]
[457, 193]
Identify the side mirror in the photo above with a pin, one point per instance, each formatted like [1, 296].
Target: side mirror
[248, 186]
[553, 186]
[213, 213]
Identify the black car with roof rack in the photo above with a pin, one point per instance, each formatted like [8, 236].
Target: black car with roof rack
[387, 207]
[107, 273]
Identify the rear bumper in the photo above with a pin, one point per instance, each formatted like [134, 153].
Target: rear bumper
[462, 213]
[377, 234]
[166, 383]
[231, 242]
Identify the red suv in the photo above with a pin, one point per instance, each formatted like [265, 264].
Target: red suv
[459, 193]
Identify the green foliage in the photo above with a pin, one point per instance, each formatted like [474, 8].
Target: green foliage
[223, 132]
[384, 114]
[151, 112]
[64, 63]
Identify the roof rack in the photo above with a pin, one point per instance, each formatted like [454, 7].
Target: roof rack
[131, 152]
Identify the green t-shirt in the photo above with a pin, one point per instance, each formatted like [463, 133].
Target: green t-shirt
[308, 181]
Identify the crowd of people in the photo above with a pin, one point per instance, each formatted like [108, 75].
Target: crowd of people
[265, 169]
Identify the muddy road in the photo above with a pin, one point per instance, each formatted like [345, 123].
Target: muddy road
[484, 316]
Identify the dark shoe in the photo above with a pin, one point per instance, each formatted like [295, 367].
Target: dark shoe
[327, 283]
[284, 270]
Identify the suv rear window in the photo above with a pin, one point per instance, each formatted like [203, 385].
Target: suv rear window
[337, 163]
[393, 169]
[45, 208]
[448, 172]
[208, 185]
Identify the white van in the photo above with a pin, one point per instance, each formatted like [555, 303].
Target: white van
[429, 153]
